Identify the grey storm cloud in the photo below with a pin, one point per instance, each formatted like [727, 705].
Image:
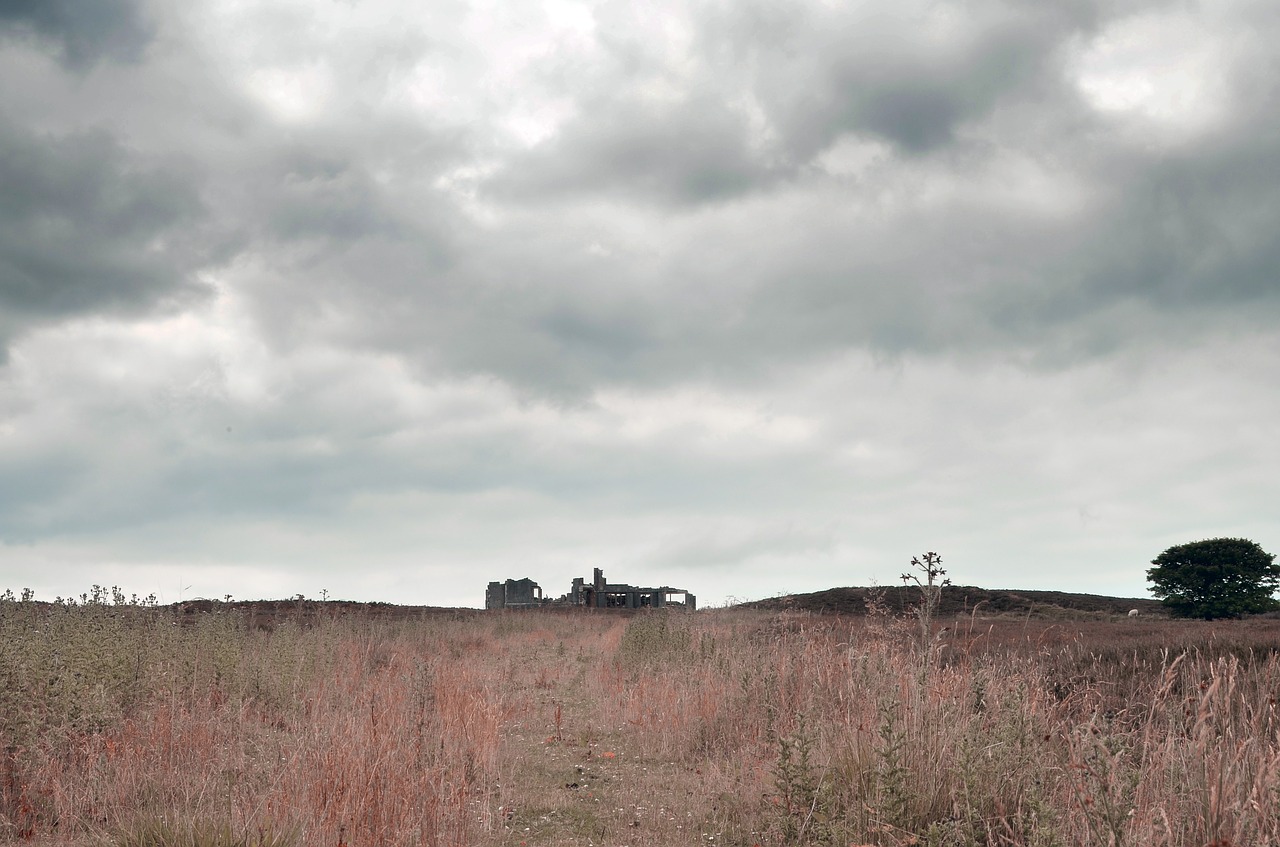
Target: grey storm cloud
[82, 32]
[749, 286]
[1179, 238]
[328, 200]
[86, 227]
[774, 85]
[910, 73]
[1196, 231]
[692, 151]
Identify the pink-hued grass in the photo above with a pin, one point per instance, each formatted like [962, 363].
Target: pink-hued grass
[131, 726]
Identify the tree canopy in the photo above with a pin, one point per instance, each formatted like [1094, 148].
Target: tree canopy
[1215, 578]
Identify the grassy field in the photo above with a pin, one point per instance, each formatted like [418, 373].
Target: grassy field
[128, 725]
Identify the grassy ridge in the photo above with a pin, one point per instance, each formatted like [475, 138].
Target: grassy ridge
[128, 725]
[959, 600]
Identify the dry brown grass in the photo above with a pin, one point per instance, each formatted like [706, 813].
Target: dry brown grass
[122, 725]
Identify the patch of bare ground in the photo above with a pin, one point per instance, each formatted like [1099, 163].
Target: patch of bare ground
[589, 758]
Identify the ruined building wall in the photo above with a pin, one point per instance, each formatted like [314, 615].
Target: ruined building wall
[514, 593]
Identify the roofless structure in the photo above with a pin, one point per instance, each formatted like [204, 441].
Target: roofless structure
[617, 595]
[513, 594]
[597, 594]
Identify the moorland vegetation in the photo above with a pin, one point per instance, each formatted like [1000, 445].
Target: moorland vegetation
[123, 723]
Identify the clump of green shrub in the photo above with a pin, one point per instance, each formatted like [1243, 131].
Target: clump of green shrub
[654, 638]
[72, 665]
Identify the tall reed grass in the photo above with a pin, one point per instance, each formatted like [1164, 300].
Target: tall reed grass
[125, 724]
[117, 717]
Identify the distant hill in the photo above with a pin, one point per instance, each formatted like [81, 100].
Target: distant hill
[963, 600]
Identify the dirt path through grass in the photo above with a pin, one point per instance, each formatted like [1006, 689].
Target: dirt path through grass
[582, 764]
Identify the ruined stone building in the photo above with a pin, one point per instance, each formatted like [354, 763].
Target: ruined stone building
[618, 595]
[513, 594]
[597, 594]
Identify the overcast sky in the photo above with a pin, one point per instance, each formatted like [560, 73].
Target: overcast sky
[389, 299]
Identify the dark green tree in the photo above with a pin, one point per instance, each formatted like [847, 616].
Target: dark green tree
[1215, 578]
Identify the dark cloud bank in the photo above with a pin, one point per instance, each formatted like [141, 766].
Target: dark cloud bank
[81, 33]
[683, 307]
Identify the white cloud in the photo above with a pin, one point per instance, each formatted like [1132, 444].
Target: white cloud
[1167, 69]
[391, 299]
